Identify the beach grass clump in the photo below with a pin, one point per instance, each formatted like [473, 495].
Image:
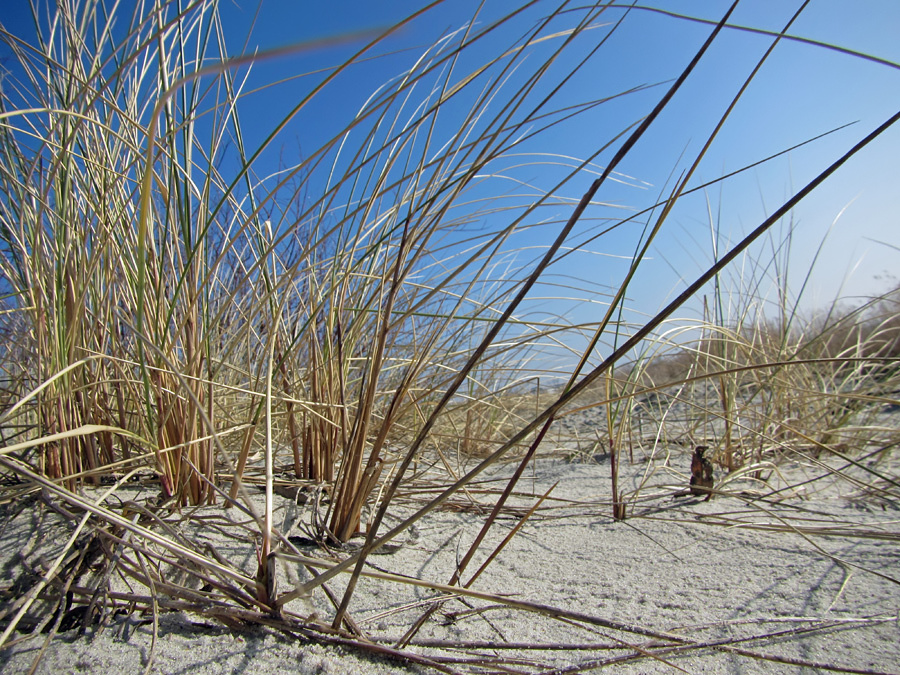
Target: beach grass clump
[187, 331]
[760, 387]
[762, 393]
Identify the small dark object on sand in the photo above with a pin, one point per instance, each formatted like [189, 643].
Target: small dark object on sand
[701, 473]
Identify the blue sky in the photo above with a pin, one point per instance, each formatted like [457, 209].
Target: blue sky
[802, 91]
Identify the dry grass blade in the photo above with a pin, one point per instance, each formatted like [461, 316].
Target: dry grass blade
[110, 517]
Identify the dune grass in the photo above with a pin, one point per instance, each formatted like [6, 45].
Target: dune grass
[176, 321]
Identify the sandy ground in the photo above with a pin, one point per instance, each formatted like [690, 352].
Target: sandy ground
[809, 578]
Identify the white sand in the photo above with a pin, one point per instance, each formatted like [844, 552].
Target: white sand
[669, 570]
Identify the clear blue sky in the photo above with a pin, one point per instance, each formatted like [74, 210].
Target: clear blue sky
[802, 91]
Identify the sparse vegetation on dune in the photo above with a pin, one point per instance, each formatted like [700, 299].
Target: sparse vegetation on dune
[184, 342]
[763, 393]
